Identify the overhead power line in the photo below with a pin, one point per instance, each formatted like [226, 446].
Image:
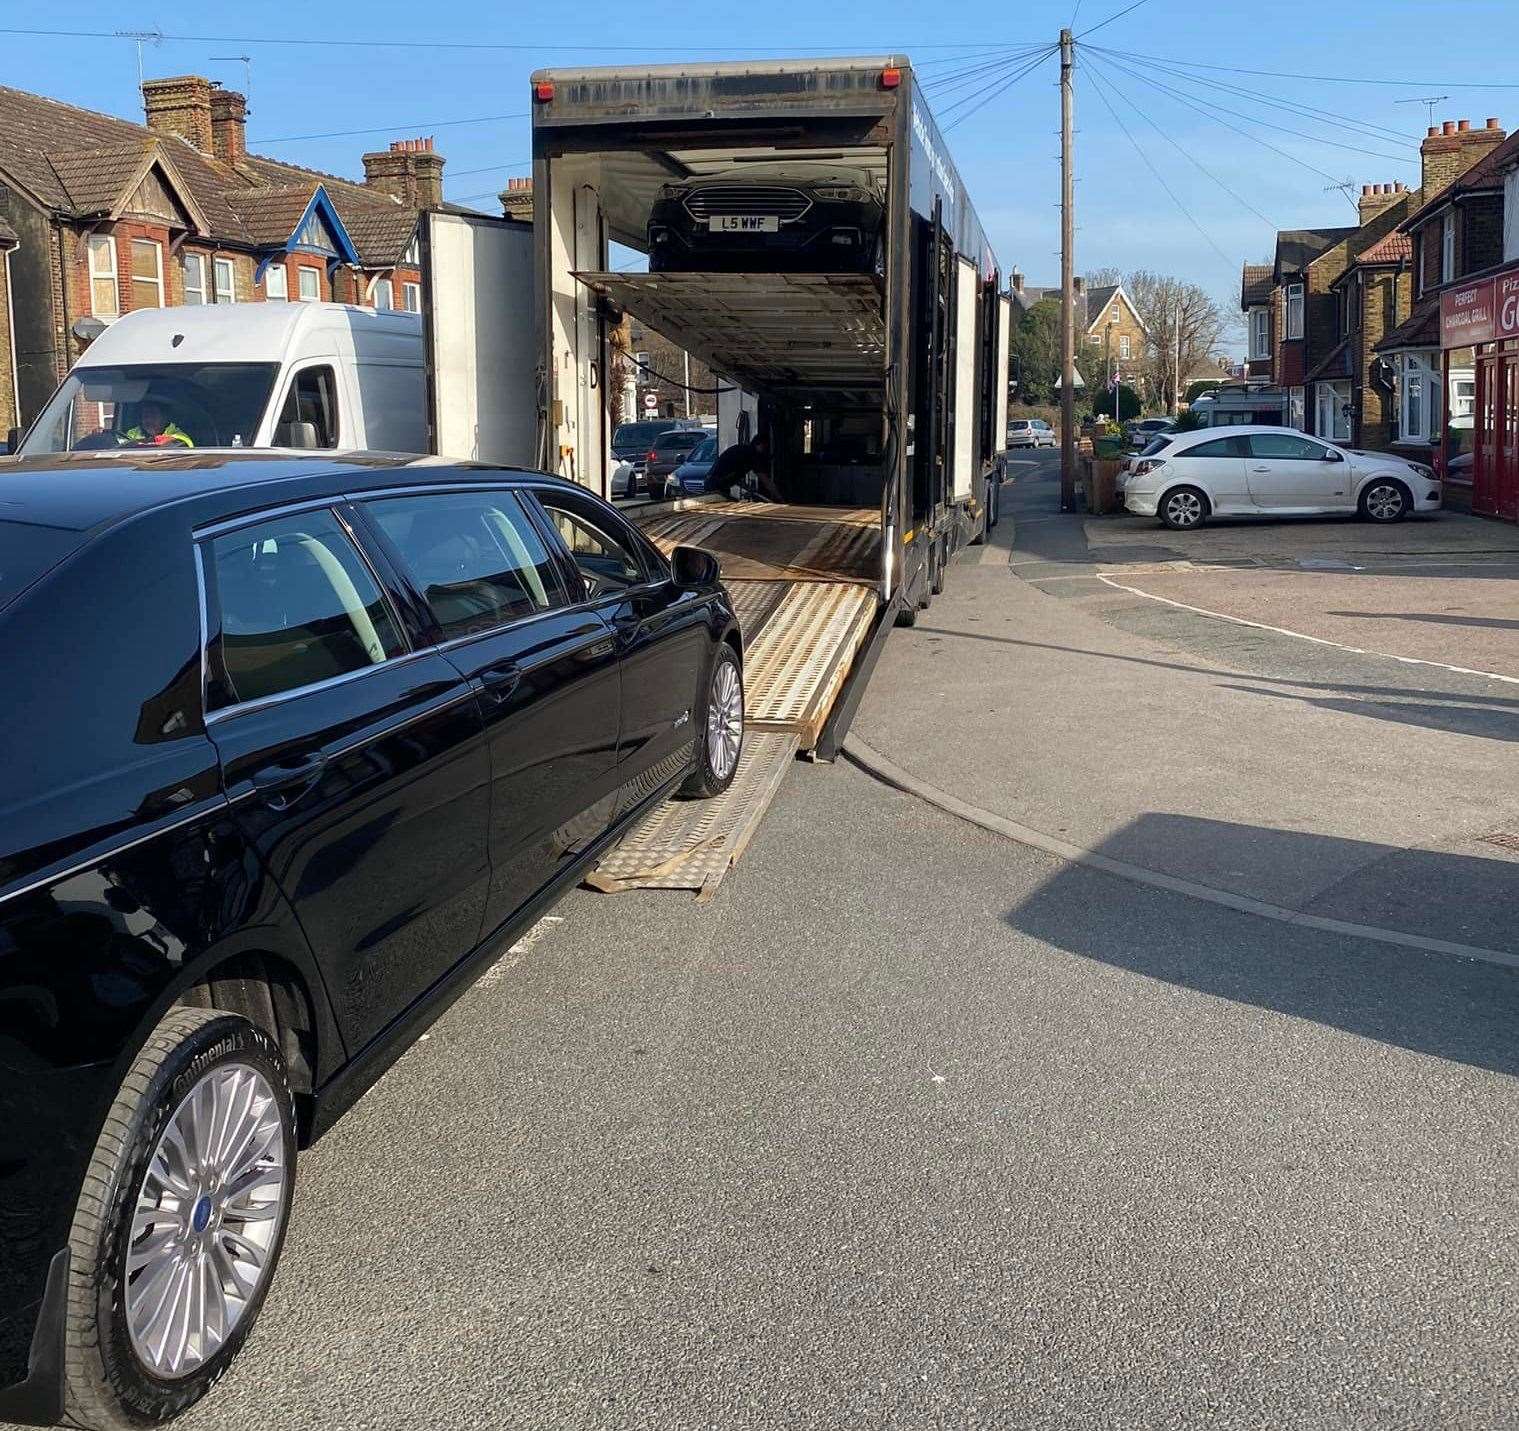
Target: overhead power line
[1189, 156]
[1339, 79]
[410, 127]
[1117, 15]
[1379, 132]
[1097, 84]
[957, 79]
[996, 89]
[1213, 105]
[285, 42]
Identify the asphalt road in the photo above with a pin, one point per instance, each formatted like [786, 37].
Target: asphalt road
[916, 1127]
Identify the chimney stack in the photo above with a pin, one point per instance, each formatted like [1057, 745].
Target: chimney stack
[229, 126]
[517, 199]
[1018, 281]
[1451, 148]
[180, 106]
[408, 171]
[1079, 284]
[1377, 198]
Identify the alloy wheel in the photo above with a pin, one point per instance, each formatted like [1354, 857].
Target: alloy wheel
[725, 719]
[1384, 503]
[206, 1220]
[1185, 509]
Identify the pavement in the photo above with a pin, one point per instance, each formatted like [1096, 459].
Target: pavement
[1324, 781]
[914, 1127]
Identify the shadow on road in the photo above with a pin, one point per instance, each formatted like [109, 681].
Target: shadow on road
[1462, 1010]
[1494, 623]
[1459, 717]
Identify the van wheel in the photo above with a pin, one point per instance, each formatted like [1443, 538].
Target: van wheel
[722, 728]
[180, 1222]
[1385, 500]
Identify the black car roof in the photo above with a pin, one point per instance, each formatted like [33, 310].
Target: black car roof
[80, 493]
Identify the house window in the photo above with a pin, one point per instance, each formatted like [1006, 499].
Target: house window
[1333, 412]
[411, 297]
[308, 284]
[147, 274]
[276, 281]
[1294, 310]
[223, 274]
[1448, 247]
[1295, 408]
[105, 297]
[1419, 398]
[381, 294]
[1260, 334]
[1123, 345]
[1463, 396]
[194, 265]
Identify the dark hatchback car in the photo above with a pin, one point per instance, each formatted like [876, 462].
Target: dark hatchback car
[770, 218]
[668, 451]
[292, 749]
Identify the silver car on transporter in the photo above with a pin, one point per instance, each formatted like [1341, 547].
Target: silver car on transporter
[1185, 478]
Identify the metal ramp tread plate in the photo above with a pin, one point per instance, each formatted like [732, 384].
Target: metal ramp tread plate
[692, 844]
[802, 331]
[754, 603]
[794, 667]
[752, 544]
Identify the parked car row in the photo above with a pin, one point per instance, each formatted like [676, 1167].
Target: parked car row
[1185, 478]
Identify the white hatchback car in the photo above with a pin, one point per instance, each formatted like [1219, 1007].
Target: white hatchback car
[1185, 478]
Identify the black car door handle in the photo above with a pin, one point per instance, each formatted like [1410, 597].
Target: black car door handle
[498, 682]
[284, 782]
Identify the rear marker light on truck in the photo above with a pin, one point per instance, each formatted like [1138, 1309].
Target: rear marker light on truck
[891, 77]
[543, 92]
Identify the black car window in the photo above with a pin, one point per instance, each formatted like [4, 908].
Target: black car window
[1285, 446]
[1219, 447]
[707, 452]
[475, 556]
[312, 399]
[678, 441]
[295, 604]
[605, 561]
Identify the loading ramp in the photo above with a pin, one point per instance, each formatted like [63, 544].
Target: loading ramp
[803, 582]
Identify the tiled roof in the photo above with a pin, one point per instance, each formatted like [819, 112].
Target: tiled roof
[1256, 283]
[1421, 329]
[79, 162]
[1297, 248]
[381, 234]
[1098, 298]
[1484, 174]
[1390, 248]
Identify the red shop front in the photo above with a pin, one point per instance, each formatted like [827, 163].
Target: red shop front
[1484, 316]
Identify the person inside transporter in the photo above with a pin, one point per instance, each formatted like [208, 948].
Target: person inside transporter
[737, 463]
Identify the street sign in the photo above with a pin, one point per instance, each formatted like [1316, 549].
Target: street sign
[651, 402]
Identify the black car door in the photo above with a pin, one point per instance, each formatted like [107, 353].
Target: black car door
[355, 764]
[545, 670]
[663, 635]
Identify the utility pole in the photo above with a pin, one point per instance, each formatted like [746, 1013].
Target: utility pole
[1176, 386]
[1067, 276]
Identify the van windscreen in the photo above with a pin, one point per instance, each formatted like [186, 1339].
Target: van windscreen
[154, 405]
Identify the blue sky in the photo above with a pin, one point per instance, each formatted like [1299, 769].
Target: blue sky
[1005, 141]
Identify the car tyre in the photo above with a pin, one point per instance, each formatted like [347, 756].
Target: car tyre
[721, 737]
[1183, 508]
[1385, 500]
[159, 1148]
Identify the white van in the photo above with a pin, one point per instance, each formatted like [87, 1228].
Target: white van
[292, 375]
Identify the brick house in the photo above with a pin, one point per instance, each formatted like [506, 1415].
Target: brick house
[1257, 288]
[1454, 233]
[109, 216]
[1110, 334]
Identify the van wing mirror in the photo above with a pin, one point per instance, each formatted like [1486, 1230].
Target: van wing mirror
[296, 434]
[694, 569]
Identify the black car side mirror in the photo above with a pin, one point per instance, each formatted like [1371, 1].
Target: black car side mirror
[12, 440]
[694, 569]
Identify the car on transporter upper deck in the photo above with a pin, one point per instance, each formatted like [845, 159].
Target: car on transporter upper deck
[293, 747]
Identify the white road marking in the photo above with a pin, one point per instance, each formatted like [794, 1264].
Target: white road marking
[1303, 636]
[521, 949]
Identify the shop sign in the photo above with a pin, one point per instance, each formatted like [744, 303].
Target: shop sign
[1466, 315]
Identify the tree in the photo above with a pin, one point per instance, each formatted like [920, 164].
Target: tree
[1170, 307]
[1128, 403]
[1035, 344]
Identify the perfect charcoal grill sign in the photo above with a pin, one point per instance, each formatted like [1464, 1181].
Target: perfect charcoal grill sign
[1467, 315]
